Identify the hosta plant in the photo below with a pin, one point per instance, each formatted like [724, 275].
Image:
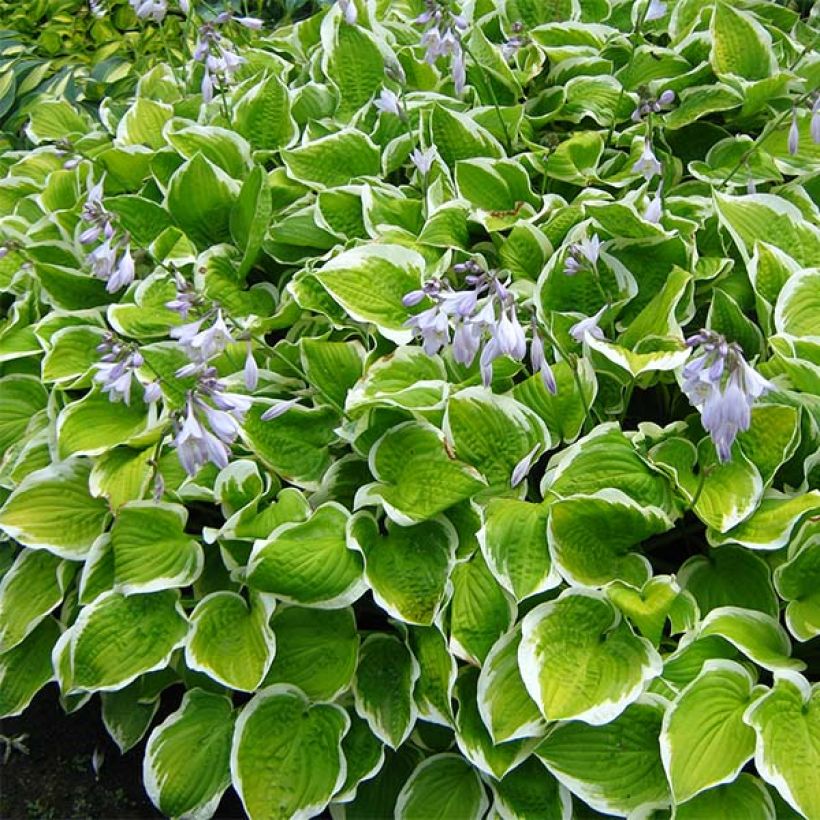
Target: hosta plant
[412, 408]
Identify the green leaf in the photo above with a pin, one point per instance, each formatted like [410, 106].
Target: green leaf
[31, 588]
[370, 281]
[771, 525]
[53, 509]
[334, 160]
[437, 674]
[25, 669]
[262, 115]
[417, 477]
[480, 610]
[580, 661]
[729, 576]
[309, 562]
[759, 636]
[364, 754]
[798, 582]
[383, 688]
[250, 217]
[151, 550]
[186, 767]
[473, 738]
[646, 608]
[316, 650]
[457, 137]
[225, 149]
[143, 122]
[505, 706]
[615, 767]
[21, 398]
[704, 741]
[286, 759]
[117, 638]
[787, 723]
[353, 62]
[513, 539]
[443, 787]
[408, 568]
[745, 798]
[332, 367]
[493, 433]
[590, 537]
[200, 197]
[121, 475]
[797, 312]
[529, 793]
[740, 45]
[94, 424]
[231, 640]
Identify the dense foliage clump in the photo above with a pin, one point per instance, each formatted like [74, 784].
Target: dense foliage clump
[423, 398]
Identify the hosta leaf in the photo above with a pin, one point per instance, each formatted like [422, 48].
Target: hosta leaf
[354, 63]
[505, 706]
[590, 537]
[729, 576]
[528, 793]
[53, 509]
[796, 581]
[383, 688]
[513, 539]
[333, 160]
[309, 562]
[746, 797]
[231, 640]
[759, 636]
[21, 397]
[262, 115]
[26, 668]
[151, 550]
[200, 197]
[581, 758]
[493, 433]
[579, 660]
[369, 282]
[117, 638]
[475, 741]
[433, 691]
[408, 569]
[286, 758]
[480, 611]
[417, 477]
[364, 754]
[443, 786]
[704, 741]
[30, 589]
[646, 608]
[316, 650]
[740, 45]
[186, 766]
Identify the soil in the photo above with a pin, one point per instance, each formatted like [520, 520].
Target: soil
[56, 780]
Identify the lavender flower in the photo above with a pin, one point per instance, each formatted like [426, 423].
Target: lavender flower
[186, 298]
[442, 38]
[655, 10]
[539, 361]
[216, 52]
[654, 210]
[583, 255]
[349, 11]
[722, 386]
[522, 469]
[648, 105]
[589, 326]
[423, 160]
[251, 370]
[814, 128]
[794, 135]
[150, 9]
[278, 409]
[202, 345]
[389, 103]
[515, 42]
[116, 369]
[648, 164]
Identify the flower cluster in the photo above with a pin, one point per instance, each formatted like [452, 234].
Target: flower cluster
[116, 371]
[517, 40]
[793, 141]
[217, 52]
[155, 10]
[583, 255]
[481, 318]
[648, 164]
[650, 105]
[442, 38]
[111, 260]
[722, 385]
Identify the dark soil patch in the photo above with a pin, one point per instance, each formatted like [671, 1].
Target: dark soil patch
[56, 781]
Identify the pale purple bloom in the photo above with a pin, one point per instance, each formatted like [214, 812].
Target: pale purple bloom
[583, 255]
[202, 345]
[123, 274]
[433, 326]
[794, 135]
[4, 251]
[539, 361]
[442, 39]
[647, 105]
[150, 9]
[722, 385]
[413, 298]
[667, 97]
[196, 445]
[389, 103]
[814, 128]
[184, 6]
[459, 303]
[152, 392]
[253, 23]
[522, 469]
[278, 409]
[656, 10]
[654, 210]
[466, 341]
[589, 326]
[648, 164]
[509, 335]
[349, 11]
[423, 160]
[489, 354]
[251, 370]
[116, 369]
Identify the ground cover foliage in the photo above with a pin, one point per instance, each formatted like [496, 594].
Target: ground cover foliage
[429, 392]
